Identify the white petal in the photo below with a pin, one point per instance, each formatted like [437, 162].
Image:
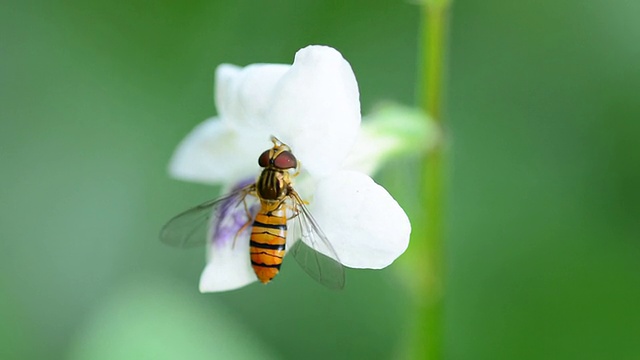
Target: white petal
[225, 83]
[243, 95]
[213, 152]
[316, 109]
[365, 225]
[228, 267]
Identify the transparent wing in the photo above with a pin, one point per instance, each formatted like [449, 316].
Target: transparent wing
[189, 228]
[311, 247]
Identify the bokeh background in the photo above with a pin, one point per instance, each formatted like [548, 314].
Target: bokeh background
[543, 216]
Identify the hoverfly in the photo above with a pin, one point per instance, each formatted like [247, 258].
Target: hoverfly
[266, 207]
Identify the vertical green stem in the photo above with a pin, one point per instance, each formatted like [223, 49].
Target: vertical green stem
[431, 292]
[433, 37]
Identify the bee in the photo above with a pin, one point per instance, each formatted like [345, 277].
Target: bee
[267, 207]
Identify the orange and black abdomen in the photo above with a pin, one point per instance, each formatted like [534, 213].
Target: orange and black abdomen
[267, 245]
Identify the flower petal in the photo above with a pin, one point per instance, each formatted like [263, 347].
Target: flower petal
[213, 152]
[228, 266]
[228, 261]
[224, 89]
[365, 225]
[316, 109]
[243, 95]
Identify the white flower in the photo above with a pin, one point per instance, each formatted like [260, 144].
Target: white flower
[312, 106]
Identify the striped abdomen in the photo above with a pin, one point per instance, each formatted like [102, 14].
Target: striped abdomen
[267, 245]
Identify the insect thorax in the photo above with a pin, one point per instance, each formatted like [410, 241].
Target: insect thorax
[272, 184]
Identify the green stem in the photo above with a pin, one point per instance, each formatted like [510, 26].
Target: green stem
[433, 40]
[431, 291]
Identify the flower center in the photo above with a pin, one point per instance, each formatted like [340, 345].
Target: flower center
[231, 216]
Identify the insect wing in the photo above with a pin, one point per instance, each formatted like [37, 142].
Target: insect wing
[190, 228]
[311, 247]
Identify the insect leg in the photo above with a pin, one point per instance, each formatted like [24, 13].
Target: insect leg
[249, 219]
[294, 210]
[296, 197]
[297, 170]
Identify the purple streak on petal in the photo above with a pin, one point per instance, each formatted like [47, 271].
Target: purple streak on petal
[232, 216]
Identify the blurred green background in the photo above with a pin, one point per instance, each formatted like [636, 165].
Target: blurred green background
[543, 216]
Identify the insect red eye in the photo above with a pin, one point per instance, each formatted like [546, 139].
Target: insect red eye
[263, 160]
[285, 160]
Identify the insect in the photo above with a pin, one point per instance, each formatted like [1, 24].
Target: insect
[267, 207]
